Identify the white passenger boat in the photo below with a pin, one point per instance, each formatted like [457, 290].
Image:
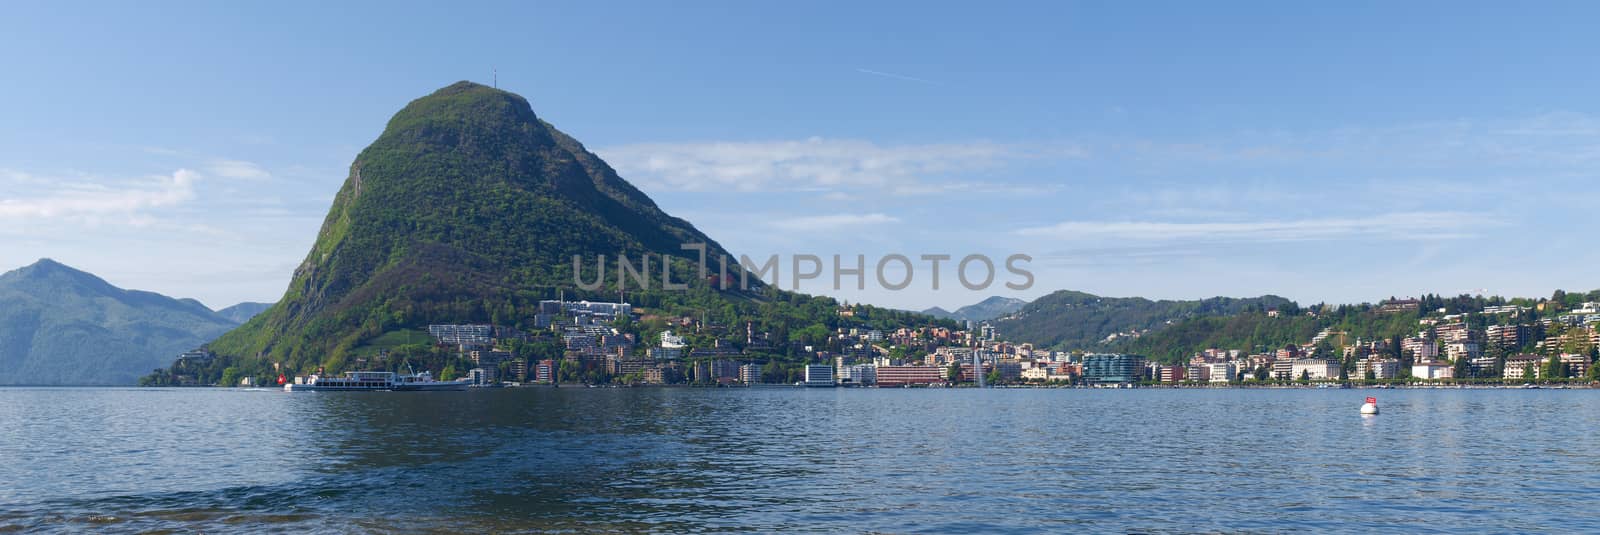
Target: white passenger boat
[360, 381]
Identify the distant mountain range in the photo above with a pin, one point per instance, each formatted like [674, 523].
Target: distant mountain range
[984, 310]
[242, 312]
[62, 326]
[1075, 320]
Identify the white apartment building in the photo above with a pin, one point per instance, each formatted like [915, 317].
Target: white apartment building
[1316, 368]
[1432, 369]
[1222, 372]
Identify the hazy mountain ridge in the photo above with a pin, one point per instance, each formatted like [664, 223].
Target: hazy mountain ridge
[1075, 320]
[242, 312]
[63, 326]
[987, 309]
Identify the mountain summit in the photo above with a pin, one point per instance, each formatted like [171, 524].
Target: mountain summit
[468, 208]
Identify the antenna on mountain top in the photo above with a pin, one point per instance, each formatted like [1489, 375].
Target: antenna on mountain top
[496, 77]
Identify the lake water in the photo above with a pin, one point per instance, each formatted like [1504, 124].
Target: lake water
[785, 459]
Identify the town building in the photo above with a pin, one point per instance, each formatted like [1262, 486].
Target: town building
[671, 341]
[1508, 336]
[1112, 368]
[198, 357]
[890, 376]
[585, 308]
[1463, 350]
[1172, 373]
[458, 335]
[1381, 368]
[819, 375]
[1316, 369]
[858, 374]
[1504, 309]
[1420, 348]
[489, 359]
[1283, 369]
[1222, 372]
[1523, 366]
[1399, 305]
[750, 374]
[1432, 369]
[1577, 364]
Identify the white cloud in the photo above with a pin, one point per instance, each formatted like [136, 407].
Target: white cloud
[811, 163]
[238, 169]
[83, 201]
[1417, 225]
[832, 222]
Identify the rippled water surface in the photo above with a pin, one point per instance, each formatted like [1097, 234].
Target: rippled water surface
[783, 459]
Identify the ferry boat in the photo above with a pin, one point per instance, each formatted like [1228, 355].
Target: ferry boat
[375, 381]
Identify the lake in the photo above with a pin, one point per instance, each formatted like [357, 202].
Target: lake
[787, 459]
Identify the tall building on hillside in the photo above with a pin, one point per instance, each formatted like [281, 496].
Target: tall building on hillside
[456, 335]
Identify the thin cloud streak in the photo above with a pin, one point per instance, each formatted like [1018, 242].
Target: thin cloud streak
[832, 222]
[1404, 226]
[897, 76]
[238, 169]
[818, 164]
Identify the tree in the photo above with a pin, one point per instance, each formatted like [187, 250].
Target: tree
[448, 373]
[954, 372]
[1323, 350]
[570, 372]
[230, 377]
[994, 377]
[1305, 375]
[1262, 372]
[1593, 374]
[1553, 368]
[1372, 375]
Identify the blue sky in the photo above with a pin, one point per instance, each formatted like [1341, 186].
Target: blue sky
[1339, 152]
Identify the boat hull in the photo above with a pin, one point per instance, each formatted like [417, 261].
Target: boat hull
[441, 386]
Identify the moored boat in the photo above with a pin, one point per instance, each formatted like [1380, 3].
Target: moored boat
[374, 381]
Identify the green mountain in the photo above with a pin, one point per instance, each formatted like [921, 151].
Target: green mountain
[62, 326]
[470, 208]
[987, 309]
[1075, 320]
[242, 312]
